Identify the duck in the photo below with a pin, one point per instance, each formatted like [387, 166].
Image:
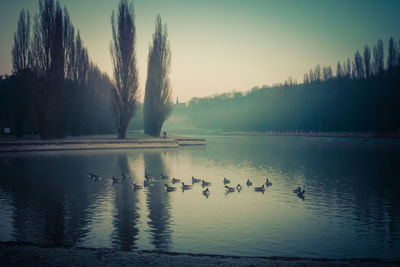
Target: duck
[249, 183]
[268, 183]
[93, 176]
[204, 183]
[115, 180]
[239, 188]
[260, 188]
[195, 180]
[206, 192]
[164, 176]
[185, 186]
[136, 186]
[174, 181]
[147, 175]
[229, 189]
[297, 190]
[226, 181]
[169, 188]
[301, 194]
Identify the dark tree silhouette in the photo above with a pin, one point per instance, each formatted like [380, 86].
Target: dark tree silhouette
[21, 42]
[122, 49]
[20, 62]
[347, 69]
[327, 73]
[317, 73]
[339, 71]
[158, 95]
[378, 62]
[367, 61]
[391, 61]
[56, 76]
[305, 78]
[81, 61]
[54, 88]
[311, 76]
[358, 67]
[47, 61]
[398, 57]
[69, 46]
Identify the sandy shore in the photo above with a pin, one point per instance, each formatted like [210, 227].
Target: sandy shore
[23, 254]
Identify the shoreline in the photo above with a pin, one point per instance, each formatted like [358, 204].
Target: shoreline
[28, 254]
[96, 142]
[360, 135]
[33, 143]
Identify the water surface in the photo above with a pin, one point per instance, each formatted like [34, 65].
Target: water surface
[351, 208]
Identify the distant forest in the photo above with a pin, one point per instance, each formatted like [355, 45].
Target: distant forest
[363, 96]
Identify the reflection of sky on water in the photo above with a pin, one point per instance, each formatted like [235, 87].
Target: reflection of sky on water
[351, 208]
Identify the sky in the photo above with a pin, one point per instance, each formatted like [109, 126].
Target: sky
[227, 45]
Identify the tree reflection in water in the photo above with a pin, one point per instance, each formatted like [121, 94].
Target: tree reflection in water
[158, 202]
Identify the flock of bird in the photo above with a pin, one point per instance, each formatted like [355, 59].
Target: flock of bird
[228, 189]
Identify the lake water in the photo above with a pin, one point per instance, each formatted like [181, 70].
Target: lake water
[351, 206]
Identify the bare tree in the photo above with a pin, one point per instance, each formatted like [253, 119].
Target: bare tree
[69, 46]
[378, 62]
[122, 49]
[347, 69]
[327, 73]
[21, 42]
[46, 58]
[339, 71]
[358, 67]
[398, 56]
[290, 81]
[306, 80]
[391, 61]
[158, 95]
[81, 61]
[367, 61]
[311, 76]
[20, 62]
[57, 75]
[317, 73]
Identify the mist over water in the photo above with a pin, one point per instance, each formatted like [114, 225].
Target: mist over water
[351, 206]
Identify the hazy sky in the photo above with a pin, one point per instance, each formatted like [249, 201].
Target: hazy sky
[225, 45]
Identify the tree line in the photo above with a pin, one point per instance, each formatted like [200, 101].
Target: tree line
[363, 96]
[56, 90]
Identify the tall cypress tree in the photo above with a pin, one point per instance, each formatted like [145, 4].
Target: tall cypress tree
[158, 94]
[122, 49]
